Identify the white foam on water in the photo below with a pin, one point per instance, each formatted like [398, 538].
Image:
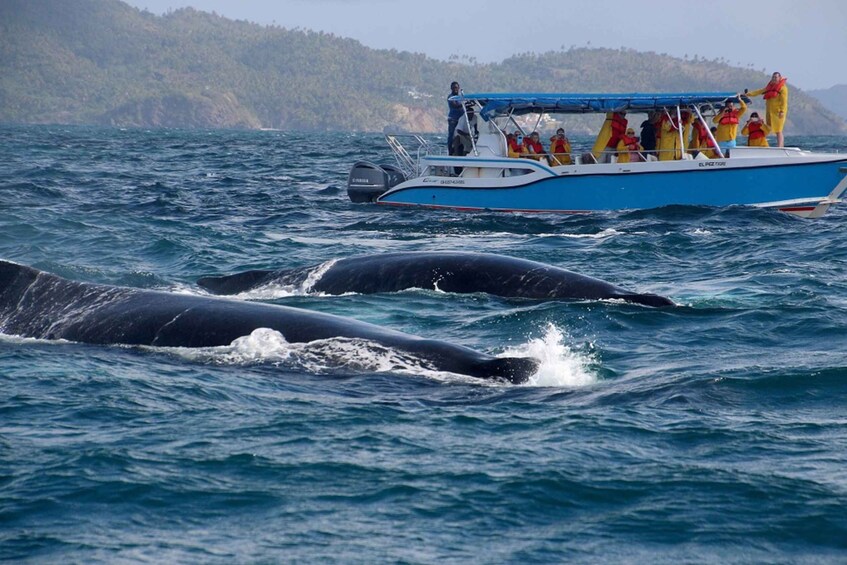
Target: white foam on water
[272, 291]
[608, 232]
[560, 366]
[265, 345]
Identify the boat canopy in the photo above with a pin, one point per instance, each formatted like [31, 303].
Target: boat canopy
[503, 104]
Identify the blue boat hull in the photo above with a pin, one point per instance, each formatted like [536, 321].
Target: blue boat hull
[708, 183]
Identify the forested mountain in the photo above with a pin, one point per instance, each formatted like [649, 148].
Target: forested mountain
[104, 62]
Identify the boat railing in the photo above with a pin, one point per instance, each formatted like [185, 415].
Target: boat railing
[410, 165]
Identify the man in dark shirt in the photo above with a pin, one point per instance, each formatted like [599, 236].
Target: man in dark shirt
[455, 112]
[648, 133]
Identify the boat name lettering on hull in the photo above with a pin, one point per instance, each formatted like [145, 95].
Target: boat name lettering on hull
[442, 181]
[713, 164]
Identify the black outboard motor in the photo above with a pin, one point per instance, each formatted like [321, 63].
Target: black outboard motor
[367, 181]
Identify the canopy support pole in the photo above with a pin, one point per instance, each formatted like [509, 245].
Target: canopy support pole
[470, 133]
[708, 131]
[681, 137]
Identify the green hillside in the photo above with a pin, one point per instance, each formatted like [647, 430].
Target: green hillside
[104, 62]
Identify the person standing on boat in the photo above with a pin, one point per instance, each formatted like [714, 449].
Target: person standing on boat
[454, 112]
[560, 149]
[756, 131]
[775, 94]
[648, 133]
[613, 128]
[700, 141]
[727, 121]
[669, 145]
[687, 119]
[628, 148]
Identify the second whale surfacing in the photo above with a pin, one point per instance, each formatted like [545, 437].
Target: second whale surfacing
[458, 272]
[41, 305]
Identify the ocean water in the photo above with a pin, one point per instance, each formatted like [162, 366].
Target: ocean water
[712, 432]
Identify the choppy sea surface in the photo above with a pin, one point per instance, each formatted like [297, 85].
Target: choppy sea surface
[712, 432]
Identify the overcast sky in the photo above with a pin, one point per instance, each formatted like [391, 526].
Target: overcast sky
[806, 41]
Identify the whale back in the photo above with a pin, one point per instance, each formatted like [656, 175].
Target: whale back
[45, 306]
[455, 272]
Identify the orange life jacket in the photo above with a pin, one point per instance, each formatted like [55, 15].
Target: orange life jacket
[701, 130]
[772, 90]
[755, 130]
[730, 117]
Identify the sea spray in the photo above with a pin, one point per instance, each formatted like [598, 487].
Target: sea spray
[561, 366]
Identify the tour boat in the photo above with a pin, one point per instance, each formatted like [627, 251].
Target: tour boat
[788, 179]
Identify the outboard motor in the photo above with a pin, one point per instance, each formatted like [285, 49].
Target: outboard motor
[367, 181]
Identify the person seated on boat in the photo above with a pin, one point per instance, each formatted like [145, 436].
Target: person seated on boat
[613, 127]
[629, 148]
[727, 121]
[517, 149]
[534, 149]
[648, 133]
[756, 131]
[466, 128]
[669, 142]
[560, 149]
[775, 94]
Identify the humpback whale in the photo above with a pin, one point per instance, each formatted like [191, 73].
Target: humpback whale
[41, 305]
[457, 272]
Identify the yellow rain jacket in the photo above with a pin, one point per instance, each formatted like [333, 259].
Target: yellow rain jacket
[755, 139]
[729, 131]
[561, 150]
[776, 107]
[669, 146]
[625, 148]
[604, 136]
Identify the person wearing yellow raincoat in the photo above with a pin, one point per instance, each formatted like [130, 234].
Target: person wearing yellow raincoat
[727, 121]
[628, 148]
[517, 148]
[613, 127]
[756, 131]
[669, 144]
[560, 149]
[700, 142]
[775, 94]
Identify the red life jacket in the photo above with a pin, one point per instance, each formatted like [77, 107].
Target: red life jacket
[674, 123]
[630, 142]
[559, 146]
[701, 130]
[772, 90]
[618, 124]
[755, 130]
[534, 146]
[730, 117]
[618, 130]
